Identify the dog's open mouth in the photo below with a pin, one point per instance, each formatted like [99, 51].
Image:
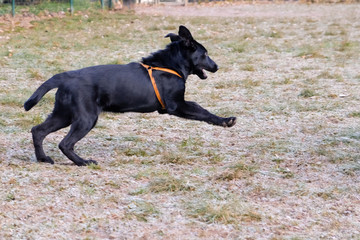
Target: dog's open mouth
[201, 73]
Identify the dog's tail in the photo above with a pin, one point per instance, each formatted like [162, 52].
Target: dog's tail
[52, 83]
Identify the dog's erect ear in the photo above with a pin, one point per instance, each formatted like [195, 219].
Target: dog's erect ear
[185, 35]
[173, 37]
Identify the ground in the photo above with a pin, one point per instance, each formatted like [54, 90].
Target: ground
[289, 168]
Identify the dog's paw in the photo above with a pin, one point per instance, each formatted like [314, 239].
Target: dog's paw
[229, 122]
[46, 160]
[89, 162]
[86, 163]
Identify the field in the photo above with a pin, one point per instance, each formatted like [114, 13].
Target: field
[289, 168]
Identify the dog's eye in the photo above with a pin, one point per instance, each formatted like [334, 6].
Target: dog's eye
[206, 54]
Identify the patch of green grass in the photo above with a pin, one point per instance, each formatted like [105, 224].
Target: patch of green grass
[250, 83]
[117, 62]
[351, 169]
[224, 212]
[46, 103]
[226, 111]
[45, 7]
[330, 33]
[11, 100]
[170, 27]
[277, 160]
[113, 184]
[28, 121]
[342, 149]
[168, 184]
[347, 45]
[153, 28]
[285, 81]
[309, 51]
[275, 34]
[93, 166]
[232, 85]
[248, 67]
[191, 144]
[285, 172]
[175, 158]
[164, 184]
[141, 210]
[214, 157]
[237, 171]
[354, 114]
[238, 47]
[150, 173]
[326, 194]
[328, 75]
[10, 197]
[87, 187]
[35, 73]
[132, 138]
[273, 146]
[307, 93]
[139, 152]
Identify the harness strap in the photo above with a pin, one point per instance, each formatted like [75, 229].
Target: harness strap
[149, 69]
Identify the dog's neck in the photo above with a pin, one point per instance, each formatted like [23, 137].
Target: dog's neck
[172, 58]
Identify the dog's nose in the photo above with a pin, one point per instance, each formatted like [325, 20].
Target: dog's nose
[215, 68]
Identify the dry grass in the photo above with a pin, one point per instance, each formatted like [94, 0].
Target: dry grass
[289, 169]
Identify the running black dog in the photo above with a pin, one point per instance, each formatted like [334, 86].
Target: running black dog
[83, 94]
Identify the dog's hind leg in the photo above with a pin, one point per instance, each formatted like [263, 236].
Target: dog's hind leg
[53, 123]
[78, 130]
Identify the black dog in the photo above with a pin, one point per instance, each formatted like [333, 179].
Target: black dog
[84, 93]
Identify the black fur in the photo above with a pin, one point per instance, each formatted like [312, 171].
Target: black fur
[83, 94]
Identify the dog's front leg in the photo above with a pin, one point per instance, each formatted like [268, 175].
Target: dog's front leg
[192, 110]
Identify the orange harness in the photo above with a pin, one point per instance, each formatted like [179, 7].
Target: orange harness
[149, 68]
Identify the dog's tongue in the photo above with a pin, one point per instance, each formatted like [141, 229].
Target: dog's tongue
[204, 74]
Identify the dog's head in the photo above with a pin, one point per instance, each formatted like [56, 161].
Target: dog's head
[195, 53]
